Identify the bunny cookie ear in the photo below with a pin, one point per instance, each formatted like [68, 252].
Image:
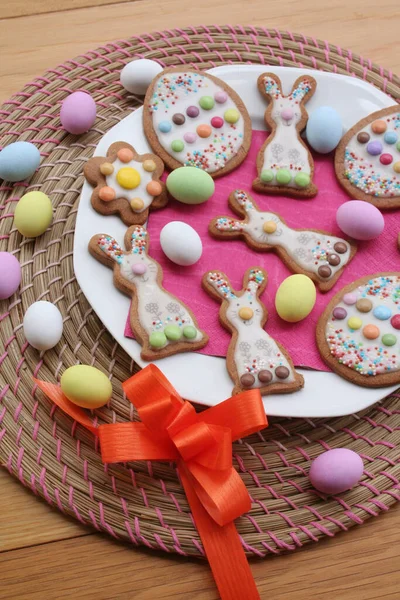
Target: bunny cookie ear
[106, 249]
[241, 202]
[303, 88]
[218, 285]
[255, 281]
[270, 86]
[137, 239]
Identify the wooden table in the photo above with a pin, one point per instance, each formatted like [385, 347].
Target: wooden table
[46, 555]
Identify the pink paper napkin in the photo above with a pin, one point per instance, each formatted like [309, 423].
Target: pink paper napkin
[234, 257]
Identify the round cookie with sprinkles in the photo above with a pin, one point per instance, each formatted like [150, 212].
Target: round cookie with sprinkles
[191, 118]
[367, 160]
[126, 183]
[358, 334]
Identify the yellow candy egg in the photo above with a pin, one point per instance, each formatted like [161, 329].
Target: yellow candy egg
[86, 386]
[33, 214]
[295, 298]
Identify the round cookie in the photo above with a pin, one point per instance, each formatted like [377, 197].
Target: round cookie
[358, 334]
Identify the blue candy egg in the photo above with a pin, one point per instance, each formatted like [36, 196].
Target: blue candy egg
[18, 161]
[324, 129]
[382, 312]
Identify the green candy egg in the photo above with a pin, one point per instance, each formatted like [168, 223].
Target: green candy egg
[389, 339]
[302, 180]
[189, 332]
[177, 145]
[266, 175]
[173, 332]
[190, 185]
[398, 146]
[33, 214]
[86, 386]
[206, 102]
[157, 339]
[283, 176]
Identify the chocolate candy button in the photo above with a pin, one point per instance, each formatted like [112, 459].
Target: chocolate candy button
[334, 260]
[324, 271]
[364, 305]
[340, 247]
[282, 372]
[265, 376]
[178, 119]
[363, 137]
[247, 380]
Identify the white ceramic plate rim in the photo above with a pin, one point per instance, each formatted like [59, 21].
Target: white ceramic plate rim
[198, 377]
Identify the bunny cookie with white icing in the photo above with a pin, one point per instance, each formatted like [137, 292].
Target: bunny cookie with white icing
[254, 359]
[161, 323]
[317, 254]
[284, 163]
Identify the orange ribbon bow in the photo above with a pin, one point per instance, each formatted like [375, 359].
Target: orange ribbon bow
[201, 445]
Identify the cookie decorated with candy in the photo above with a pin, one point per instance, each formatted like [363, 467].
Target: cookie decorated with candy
[367, 160]
[126, 183]
[191, 118]
[358, 335]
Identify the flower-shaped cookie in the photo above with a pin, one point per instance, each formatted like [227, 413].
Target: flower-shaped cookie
[126, 183]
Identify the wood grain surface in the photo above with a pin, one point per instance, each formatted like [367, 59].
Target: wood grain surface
[44, 554]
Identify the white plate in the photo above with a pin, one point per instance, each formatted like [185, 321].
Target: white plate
[197, 377]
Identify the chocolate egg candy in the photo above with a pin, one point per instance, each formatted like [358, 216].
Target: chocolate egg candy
[86, 386]
[78, 113]
[10, 275]
[206, 126]
[295, 298]
[33, 214]
[18, 161]
[360, 220]
[190, 185]
[336, 471]
[324, 129]
[43, 325]
[181, 243]
[137, 75]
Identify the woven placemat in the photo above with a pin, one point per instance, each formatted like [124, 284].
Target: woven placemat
[144, 502]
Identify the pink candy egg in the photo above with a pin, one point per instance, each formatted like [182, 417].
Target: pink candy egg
[360, 220]
[78, 113]
[10, 275]
[336, 471]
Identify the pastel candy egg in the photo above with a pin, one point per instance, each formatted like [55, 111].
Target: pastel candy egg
[190, 185]
[33, 214]
[43, 325]
[86, 386]
[336, 471]
[18, 161]
[137, 75]
[324, 129]
[295, 298]
[10, 275]
[360, 220]
[78, 113]
[181, 243]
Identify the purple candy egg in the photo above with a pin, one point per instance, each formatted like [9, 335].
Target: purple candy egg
[78, 113]
[189, 137]
[10, 275]
[192, 111]
[374, 148]
[339, 313]
[360, 220]
[336, 471]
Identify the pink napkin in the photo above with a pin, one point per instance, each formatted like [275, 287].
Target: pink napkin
[235, 257]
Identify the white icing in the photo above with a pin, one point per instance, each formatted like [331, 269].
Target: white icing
[307, 249]
[255, 350]
[364, 170]
[285, 149]
[356, 351]
[156, 308]
[226, 141]
[139, 191]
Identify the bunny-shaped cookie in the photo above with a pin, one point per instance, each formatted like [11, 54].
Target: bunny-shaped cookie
[162, 323]
[317, 254]
[254, 359]
[284, 163]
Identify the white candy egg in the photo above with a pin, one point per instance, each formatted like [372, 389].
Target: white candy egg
[43, 325]
[181, 243]
[137, 75]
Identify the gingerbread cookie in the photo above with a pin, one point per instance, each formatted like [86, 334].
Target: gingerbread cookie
[367, 160]
[191, 118]
[284, 163]
[319, 255]
[126, 183]
[254, 359]
[358, 334]
[161, 323]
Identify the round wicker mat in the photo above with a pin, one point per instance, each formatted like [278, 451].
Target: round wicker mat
[144, 502]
